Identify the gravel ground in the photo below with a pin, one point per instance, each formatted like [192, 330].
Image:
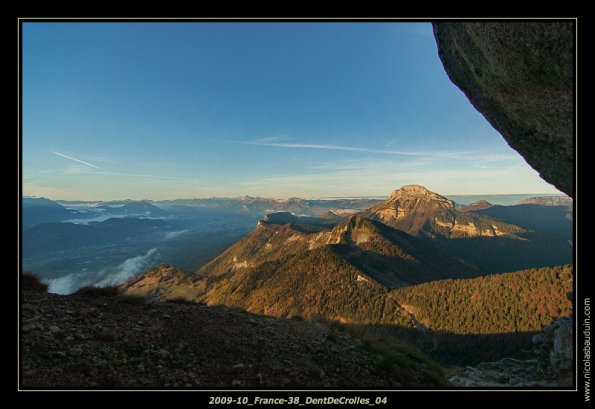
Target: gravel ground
[84, 341]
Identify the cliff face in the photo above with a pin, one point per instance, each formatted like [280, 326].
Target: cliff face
[520, 77]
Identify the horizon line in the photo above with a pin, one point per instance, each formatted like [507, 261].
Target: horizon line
[285, 197]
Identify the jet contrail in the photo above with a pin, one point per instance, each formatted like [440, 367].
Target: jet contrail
[77, 160]
[346, 148]
[109, 172]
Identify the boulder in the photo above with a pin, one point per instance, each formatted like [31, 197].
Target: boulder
[561, 354]
[520, 76]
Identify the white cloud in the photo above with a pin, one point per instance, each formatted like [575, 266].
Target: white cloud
[68, 284]
[105, 277]
[173, 234]
[129, 268]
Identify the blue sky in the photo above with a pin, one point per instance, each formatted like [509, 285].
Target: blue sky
[172, 110]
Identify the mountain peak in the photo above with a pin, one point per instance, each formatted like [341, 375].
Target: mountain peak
[417, 191]
[475, 206]
[413, 188]
[481, 202]
[416, 210]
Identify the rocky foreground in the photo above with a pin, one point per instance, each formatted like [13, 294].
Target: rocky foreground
[96, 340]
[509, 373]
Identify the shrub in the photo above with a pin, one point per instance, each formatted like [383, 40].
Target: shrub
[98, 291]
[134, 299]
[182, 300]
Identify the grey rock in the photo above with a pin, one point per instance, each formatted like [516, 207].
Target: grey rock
[561, 355]
[107, 334]
[75, 351]
[100, 362]
[540, 338]
[456, 381]
[31, 327]
[526, 384]
[519, 75]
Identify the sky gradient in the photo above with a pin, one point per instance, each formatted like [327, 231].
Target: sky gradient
[182, 110]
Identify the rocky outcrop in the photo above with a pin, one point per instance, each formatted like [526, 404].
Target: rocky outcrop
[519, 75]
[508, 373]
[554, 344]
[548, 201]
[164, 282]
[280, 217]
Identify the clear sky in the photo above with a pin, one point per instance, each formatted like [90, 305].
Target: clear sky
[182, 110]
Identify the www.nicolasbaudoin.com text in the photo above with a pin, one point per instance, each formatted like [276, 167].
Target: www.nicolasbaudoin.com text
[587, 348]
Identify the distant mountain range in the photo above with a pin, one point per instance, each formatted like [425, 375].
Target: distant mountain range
[143, 208]
[261, 206]
[491, 244]
[554, 221]
[413, 237]
[551, 215]
[42, 210]
[287, 266]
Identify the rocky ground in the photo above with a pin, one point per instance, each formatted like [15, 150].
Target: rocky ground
[509, 373]
[91, 341]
